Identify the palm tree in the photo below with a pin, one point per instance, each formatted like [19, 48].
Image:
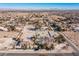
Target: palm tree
[11, 28]
[60, 39]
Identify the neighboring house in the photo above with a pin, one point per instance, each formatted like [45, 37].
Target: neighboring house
[3, 29]
[76, 29]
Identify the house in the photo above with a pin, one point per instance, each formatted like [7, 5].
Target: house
[3, 29]
[76, 29]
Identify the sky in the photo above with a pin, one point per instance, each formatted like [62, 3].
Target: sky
[40, 5]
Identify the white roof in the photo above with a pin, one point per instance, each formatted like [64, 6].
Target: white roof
[76, 28]
[59, 46]
[2, 28]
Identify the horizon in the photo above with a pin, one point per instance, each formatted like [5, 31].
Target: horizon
[38, 6]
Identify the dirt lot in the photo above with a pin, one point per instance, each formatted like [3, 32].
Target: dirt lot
[8, 34]
[73, 36]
